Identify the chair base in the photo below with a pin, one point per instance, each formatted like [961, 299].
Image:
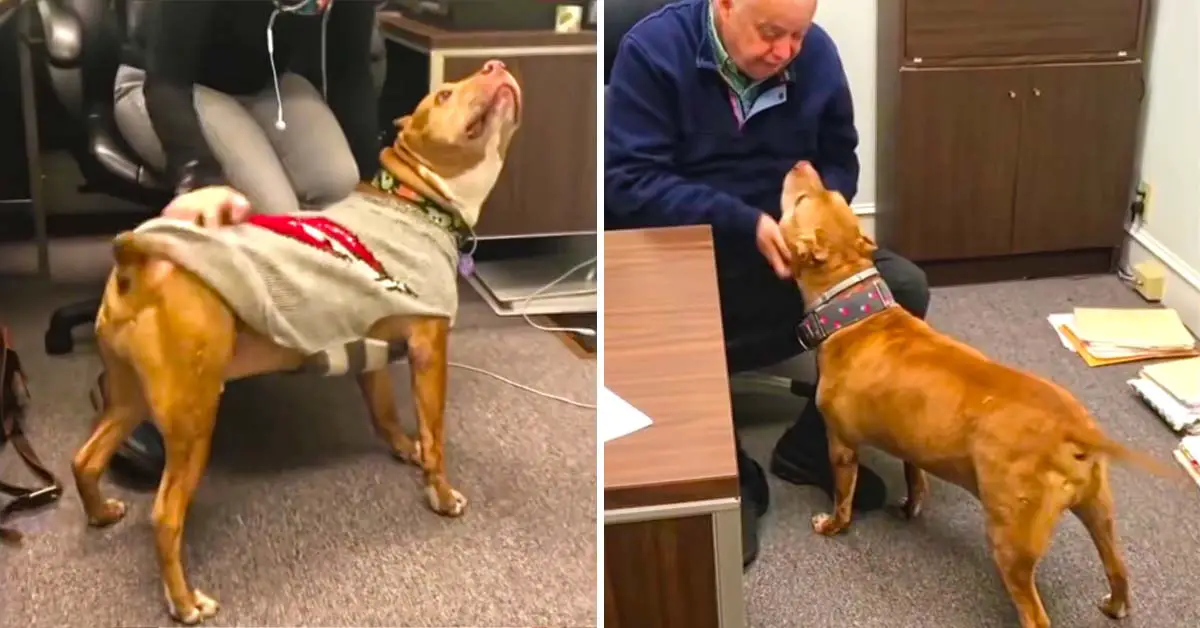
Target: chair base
[64, 320]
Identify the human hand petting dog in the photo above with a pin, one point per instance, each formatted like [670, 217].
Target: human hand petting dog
[209, 206]
[771, 244]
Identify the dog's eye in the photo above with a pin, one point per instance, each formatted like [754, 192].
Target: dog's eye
[441, 97]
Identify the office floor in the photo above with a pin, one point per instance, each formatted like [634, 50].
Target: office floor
[303, 519]
[937, 571]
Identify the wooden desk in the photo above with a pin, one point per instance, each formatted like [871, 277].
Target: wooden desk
[672, 537]
[544, 205]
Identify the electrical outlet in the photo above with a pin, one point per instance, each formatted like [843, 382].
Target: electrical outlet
[1144, 191]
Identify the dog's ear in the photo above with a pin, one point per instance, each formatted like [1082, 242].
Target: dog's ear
[866, 246]
[811, 247]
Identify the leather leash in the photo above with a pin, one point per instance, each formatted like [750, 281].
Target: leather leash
[14, 393]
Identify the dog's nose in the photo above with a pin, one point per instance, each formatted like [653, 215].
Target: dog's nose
[492, 66]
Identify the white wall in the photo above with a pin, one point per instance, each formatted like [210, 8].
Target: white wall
[1170, 156]
[1170, 152]
[851, 23]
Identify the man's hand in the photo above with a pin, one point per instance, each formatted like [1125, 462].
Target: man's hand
[770, 243]
[210, 206]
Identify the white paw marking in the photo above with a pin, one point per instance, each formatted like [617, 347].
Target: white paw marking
[117, 506]
[458, 503]
[205, 607]
[820, 521]
[1106, 605]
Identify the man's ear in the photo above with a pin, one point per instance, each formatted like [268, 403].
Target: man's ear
[866, 246]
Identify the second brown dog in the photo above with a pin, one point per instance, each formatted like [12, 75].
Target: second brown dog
[1023, 445]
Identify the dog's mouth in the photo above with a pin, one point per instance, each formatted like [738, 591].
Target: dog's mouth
[503, 93]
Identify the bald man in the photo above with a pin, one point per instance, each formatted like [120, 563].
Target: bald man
[708, 104]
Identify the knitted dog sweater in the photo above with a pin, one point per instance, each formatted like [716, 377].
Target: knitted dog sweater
[316, 282]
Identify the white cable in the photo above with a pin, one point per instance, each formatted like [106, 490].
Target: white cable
[540, 393]
[582, 331]
[279, 123]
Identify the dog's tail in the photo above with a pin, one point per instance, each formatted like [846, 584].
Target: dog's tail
[126, 293]
[129, 254]
[1091, 440]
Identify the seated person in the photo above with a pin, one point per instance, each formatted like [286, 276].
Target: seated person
[708, 105]
[233, 94]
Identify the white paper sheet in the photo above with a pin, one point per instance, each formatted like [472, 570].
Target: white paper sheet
[615, 417]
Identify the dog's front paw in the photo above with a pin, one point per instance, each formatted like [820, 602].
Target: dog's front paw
[446, 501]
[1114, 608]
[408, 451]
[201, 608]
[906, 509]
[826, 524]
[112, 511]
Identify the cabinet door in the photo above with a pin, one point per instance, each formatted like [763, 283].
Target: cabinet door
[955, 165]
[548, 185]
[939, 29]
[1076, 166]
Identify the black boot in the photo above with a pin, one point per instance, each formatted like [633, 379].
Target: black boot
[755, 497]
[142, 457]
[802, 457]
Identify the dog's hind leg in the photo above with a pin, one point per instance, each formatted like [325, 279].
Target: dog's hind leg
[377, 391]
[123, 408]
[1096, 513]
[428, 360]
[918, 487]
[1020, 522]
[183, 372]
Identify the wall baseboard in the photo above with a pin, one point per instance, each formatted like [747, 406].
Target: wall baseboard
[866, 217]
[1183, 281]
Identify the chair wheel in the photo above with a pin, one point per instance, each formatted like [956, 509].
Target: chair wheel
[59, 341]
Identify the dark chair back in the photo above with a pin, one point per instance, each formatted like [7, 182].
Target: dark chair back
[619, 17]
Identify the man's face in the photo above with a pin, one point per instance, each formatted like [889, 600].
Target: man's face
[763, 36]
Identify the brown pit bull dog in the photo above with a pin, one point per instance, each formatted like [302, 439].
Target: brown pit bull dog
[344, 290]
[1023, 445]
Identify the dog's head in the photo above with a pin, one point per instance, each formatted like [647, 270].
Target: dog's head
[457, 138]
[821, 231]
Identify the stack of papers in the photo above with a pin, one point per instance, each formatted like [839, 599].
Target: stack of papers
[1173, 390]
[1103, 336]
[1188, 453]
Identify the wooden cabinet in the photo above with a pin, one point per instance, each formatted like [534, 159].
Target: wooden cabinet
[1007, 133]
[549, 181]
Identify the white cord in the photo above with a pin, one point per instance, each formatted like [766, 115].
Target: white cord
[280, 124]
[582, 331]
[540, 393]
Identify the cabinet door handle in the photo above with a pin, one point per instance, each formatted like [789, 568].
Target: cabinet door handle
[1012, 94]
[1037, 92]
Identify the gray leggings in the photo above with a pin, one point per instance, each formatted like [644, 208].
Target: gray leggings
[307, 166]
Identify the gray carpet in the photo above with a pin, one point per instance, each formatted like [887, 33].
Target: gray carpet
[937, 571]
[303, 519]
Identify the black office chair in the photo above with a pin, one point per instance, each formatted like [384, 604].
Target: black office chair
[81, 47]
[752, 359]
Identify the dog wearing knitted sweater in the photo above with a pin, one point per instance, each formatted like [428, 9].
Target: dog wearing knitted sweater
[343, 290]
